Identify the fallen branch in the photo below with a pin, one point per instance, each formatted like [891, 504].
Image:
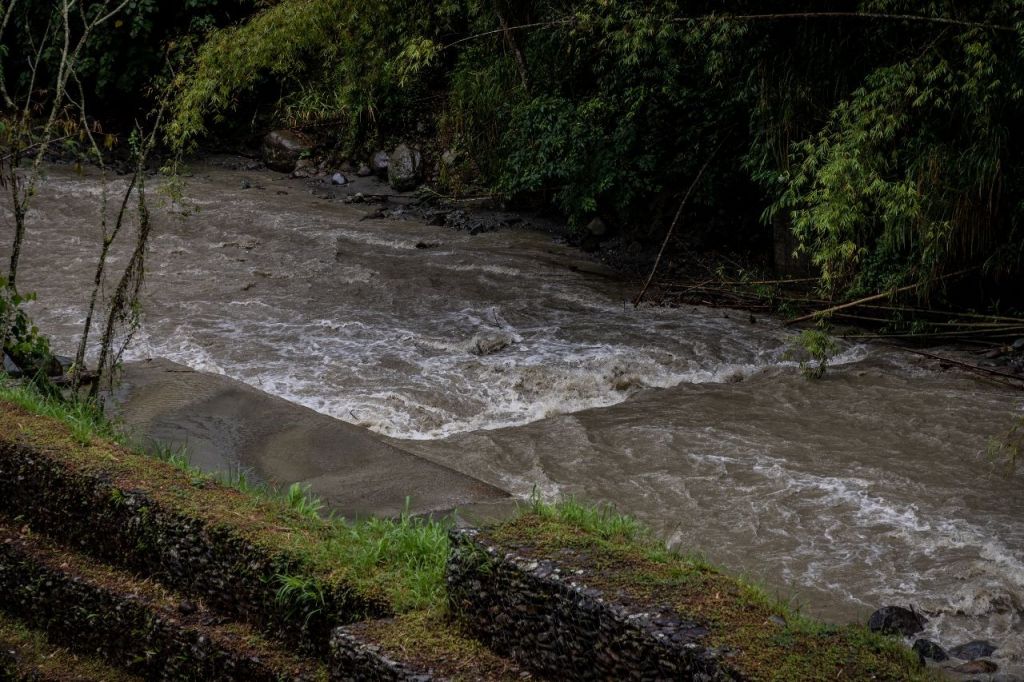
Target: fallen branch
[672, 227]
[868, 299]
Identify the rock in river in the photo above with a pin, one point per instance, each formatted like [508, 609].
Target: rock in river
[487, 343]
[282, 150]
[405, 168]
[976, 668]
[893, 620]
[928, 649]
[977, 649]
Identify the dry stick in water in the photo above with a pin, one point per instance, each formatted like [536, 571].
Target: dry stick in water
[672, 227]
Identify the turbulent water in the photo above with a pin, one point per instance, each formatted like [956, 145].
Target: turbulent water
[869, 487]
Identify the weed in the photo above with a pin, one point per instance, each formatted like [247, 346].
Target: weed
[300, 500]
[819, 346]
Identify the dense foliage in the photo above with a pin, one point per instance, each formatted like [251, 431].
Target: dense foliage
[121, 67]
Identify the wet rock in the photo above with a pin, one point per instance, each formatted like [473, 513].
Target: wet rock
[61, 364]
[892, 620]
[405, 168]
[1018, 345]
[11, 367]
[979, 648]
[597, 227]
[339, 179]
[379, 163]
[282, 150]
[976, 668]
[488, 343]
[929, 650]
[304, 168]
[364, 171]
[450, 158]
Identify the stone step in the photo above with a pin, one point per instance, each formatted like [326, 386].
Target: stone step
[138, 625]
[27, 656]
[415, 648]
[582, 604]
[222, 546]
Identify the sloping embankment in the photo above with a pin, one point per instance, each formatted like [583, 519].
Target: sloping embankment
[159, 572]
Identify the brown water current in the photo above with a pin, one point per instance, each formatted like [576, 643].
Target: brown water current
[869, 487]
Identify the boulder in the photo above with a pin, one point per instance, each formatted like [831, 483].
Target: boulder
[929, 650]
[364, 171]
[450, 158]
[339, 179]
[597, 227]
[379, 163]
[304, 168]
[11, 367]
[282, 150]
[979, 648]
[487, 343]
[405, 168]
[63, 364]
[976, 668]
[892, 620]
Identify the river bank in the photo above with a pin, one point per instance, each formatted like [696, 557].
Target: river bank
[281, 593]
[228, 428]
[870, 487]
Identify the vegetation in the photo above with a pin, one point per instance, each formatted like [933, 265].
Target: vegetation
[883, 133]
[817, 349]
[403, 559]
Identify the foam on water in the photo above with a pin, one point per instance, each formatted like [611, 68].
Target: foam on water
[543, 372]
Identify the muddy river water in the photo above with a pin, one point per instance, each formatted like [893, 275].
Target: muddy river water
[869, 487]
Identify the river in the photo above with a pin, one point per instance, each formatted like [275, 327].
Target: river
[871, 486]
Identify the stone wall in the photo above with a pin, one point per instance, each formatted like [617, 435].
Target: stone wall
[534, 613]
[129, 528]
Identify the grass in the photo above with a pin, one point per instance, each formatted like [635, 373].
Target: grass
[399, 560]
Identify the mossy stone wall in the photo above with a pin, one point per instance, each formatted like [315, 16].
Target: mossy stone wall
[529, 610]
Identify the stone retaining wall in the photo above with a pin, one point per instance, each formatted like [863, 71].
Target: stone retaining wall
[354, 660]
[531, 611]
[129, 528]
[134, 625]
